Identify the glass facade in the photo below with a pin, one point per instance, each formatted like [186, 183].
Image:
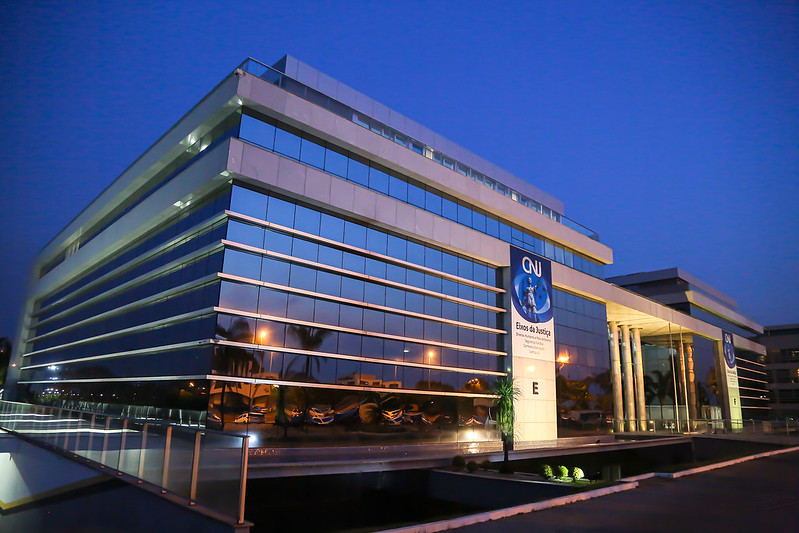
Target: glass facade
[279, 138]
[303, 91]
[272, 294]
[696, 388]
[124, 332]
[345, 324]
[194, 152]
[583, 384]
[753, 384]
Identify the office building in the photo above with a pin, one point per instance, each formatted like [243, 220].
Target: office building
[293, 258]
[782, 364]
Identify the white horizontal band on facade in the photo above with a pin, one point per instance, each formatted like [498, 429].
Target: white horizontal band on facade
[364, 252]
[132, 264]
[147, 276]
[749, 361]
[118, 333]
[752, 379]
[129, 307]
[738, 362]
[366, 277]
[357, 303]
[300, 351]
[281, 383]
[126, 353]
[115, 380]
[355, 331]
[750, 388]
[251, 381]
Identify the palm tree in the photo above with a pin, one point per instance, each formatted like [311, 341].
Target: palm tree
[506, 391]
[310, 339]
[660, 387]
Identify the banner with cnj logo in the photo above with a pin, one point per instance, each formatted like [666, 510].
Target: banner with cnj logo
[533, 345]
[731, 374]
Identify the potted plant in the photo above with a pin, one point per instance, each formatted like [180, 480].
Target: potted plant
[506, 392]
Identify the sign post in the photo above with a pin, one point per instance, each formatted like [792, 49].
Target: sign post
[731, 380]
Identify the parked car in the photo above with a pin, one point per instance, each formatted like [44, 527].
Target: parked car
[391, 410]
[294, 415]
[412, 414]
[347, 408]
[320, 415]
[249, 418]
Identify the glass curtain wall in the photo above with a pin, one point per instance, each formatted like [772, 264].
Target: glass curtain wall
[126, 337]
[680, 381]
[343, 332]
[753, 384]
[584, 387]
[275, 137]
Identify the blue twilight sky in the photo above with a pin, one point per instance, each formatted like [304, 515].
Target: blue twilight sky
[671, 128]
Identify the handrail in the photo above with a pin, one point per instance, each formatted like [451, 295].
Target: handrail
[708, 426]
[200, 466]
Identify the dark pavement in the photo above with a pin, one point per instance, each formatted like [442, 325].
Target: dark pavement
[760, 496]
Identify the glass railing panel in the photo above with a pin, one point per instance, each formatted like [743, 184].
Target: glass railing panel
[111, 440]
[219, 472]
[83, 431]
[130, 451]
[151, 453]
[160, 454]
[178, 462]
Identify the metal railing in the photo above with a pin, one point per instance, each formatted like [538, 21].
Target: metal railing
[709, 426]
[201, 466]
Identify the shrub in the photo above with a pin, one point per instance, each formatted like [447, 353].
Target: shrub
[546, 471]
[458, 461]
[486, 465]
[577, 473]
[471, 466]
[562, 471]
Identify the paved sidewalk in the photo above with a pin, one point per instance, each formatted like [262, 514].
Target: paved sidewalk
[761, 496]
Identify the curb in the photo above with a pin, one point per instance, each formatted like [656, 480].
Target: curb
[628, 483]
[443, 525]
[714, 466]
[639, 477]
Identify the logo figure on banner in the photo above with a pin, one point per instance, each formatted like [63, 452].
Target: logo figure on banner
[531, 293]
[729, 350]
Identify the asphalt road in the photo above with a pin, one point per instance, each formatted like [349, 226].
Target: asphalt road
[759, 496]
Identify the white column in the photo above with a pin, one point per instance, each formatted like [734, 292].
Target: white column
[615, 373]
[689, 353]
[684, 382]
[627, 371]
[640, 399]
